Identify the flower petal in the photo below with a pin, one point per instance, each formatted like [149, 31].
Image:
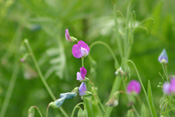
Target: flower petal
[172, 85]
[67, 35]
[134, 86]
[84, 45]
[83, 72]
[166, 88]
[82, 89]
[68, 95]
[79, 77]
[163, 57]
[76, 51]
[84, 52]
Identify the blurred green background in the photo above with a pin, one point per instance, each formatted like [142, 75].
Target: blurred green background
[43, 23]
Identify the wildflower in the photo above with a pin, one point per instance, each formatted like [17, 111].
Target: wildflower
[172, 85]
[133, 86]
[68, 95]
[82, 89]
[80, 50]
[68, 37]
[58, 102]
[166, 88]
[163, 58]
[81, 75]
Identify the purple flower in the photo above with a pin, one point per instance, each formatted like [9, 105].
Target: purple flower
[81, 75]
[163, 58]
[172, 85]
[67, 35]
[133, 86]
[80, 50]
[82, 89]
[166, 88]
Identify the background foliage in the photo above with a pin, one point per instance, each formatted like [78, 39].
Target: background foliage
[43, 22]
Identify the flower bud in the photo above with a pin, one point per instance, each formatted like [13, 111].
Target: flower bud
[68, 95]
[57, 103]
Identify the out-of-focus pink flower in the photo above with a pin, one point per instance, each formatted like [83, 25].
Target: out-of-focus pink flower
[80, 50]
[67, 35]
[133, 86]
[166, 88]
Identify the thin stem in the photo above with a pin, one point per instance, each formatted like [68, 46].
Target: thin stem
[75, 108]
[82, 61]
[47, 111]
[41, 76]
[165, 70]
[10, 89]
[107, 46]
[141, 84]
[38, 110]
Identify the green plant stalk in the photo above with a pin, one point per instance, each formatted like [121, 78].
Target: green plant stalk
[10, 89]
[37, 110]
[165, 70]
[17, 37]
[115, 87]
[107, 46]
[143, 88]
[41, 76]
[72, 115]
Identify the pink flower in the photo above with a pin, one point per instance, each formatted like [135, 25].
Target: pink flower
[81, 75]
[80, 50]
[133, 86]
[67, 35]
[166, 88]
[82, 89]
[172, 85]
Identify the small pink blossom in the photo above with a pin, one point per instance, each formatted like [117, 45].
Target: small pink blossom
[133, 86]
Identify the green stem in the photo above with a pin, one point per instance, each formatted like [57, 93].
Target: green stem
[115, 87]
[82, 61]
[41, 76]
[47, 111]
[76, 108]
[38, 110]
[165, 70]
[141, 85]
[107, 46]
[10, 89]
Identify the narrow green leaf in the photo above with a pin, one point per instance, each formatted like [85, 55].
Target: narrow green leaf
[144, 111]
[150, 99]
[130, 113]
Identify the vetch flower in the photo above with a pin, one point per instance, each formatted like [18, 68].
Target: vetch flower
[166, 88]
[81, 75]
[57, 103]
[172, 85]
[68, 37]
[133, 86]
[163, 58]
[80, 50]
[82, 89]
[68, 95]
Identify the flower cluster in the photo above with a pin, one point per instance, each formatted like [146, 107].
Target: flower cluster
[169, 88]
[79, 50]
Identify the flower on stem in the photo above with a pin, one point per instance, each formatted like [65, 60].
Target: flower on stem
[163, 58]
[68, 37]
[133, 87]
[82, 89]
[172, 84]
[81, 75]
[80, 50]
